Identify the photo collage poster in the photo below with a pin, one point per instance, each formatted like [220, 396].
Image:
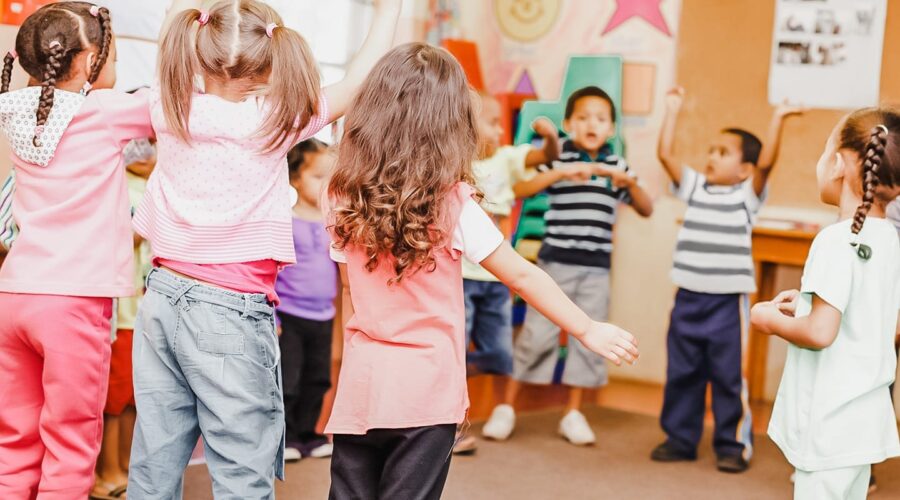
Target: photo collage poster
[827, 53]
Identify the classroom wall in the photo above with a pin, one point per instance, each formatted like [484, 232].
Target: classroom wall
[722, 59]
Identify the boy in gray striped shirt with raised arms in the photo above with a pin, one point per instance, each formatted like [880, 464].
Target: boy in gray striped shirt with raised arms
[713, 269]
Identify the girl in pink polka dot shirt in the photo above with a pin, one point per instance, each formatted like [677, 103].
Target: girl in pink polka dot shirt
[236, 91]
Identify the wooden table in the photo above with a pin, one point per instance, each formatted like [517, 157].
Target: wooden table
[771, 248]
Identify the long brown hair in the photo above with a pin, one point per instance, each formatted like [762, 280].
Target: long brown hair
[234, 45]
[874, 135]
[48, 42]
[410, 137]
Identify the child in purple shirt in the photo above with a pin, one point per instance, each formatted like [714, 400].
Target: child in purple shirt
[307, 290]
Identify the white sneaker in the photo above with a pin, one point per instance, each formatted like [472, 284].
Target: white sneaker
[292, 454]
[323, 451]
[574, 427]
[501, 423]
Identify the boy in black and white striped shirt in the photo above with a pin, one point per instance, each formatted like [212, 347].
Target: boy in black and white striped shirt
[584, 197]
[714, 271]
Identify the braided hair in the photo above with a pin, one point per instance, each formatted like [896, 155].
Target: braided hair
[874, 135]
[47, 44]
[6, 75]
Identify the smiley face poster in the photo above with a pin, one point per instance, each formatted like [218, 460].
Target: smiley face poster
[526, 20]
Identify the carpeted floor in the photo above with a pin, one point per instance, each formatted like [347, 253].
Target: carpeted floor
[536, 464]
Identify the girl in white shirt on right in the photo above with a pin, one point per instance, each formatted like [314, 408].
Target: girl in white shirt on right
[833, 415]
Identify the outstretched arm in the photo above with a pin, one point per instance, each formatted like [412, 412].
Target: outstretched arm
[539, 290]
[665, 150]
[769, 154]
[550, 152]
[379, 41]
[543, 180]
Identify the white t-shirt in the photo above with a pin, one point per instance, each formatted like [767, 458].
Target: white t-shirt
[496, 177]
[893, 213]
[475, 235]
[833, 408]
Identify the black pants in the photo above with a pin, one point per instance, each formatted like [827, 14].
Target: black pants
[306, 374]
[392, 464]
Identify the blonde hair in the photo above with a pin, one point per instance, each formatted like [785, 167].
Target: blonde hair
[234, 45]
[410, 138]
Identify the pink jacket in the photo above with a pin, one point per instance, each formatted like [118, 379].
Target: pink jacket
[220, 199]
[71, 197]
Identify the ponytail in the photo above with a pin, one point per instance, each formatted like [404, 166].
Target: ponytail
[105, 42]
[177, 68]
[55, 52]
[294, 88]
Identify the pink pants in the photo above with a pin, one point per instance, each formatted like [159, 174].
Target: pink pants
[54, 372]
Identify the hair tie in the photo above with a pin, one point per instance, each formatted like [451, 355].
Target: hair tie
[95, 10]
[882, 127]
[204, 17]
[55, 43]
[12, 53]
[38, 132]
[270, 29]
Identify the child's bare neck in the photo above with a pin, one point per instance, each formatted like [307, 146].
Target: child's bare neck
[850, 201]
[228, 91]
[72, 85]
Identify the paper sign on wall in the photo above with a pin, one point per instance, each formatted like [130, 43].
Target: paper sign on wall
[827, 53]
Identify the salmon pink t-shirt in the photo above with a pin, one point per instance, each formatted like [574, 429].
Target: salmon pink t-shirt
[404, 358]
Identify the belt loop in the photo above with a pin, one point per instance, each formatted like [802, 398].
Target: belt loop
[181, 292]
[246, 311]
[147, 278]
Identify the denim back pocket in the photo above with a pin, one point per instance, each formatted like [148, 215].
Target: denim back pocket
[221, 331]
[214, 343]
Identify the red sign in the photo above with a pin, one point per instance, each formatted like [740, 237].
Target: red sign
[15, 11]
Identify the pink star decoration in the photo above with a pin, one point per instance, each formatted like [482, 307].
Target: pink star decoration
[646, 9]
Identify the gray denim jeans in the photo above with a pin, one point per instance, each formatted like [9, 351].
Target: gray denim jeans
[206, 362]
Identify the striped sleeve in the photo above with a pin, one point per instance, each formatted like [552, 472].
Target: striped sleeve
[753, 201]
[690, 178]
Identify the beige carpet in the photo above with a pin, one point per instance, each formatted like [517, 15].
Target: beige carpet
[536, 464]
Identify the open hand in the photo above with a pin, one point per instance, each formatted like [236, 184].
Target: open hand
[545, 128]
[619, 179]
[578, 171]
[611, 342]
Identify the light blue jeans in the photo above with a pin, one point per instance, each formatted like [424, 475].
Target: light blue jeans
[206, 361]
